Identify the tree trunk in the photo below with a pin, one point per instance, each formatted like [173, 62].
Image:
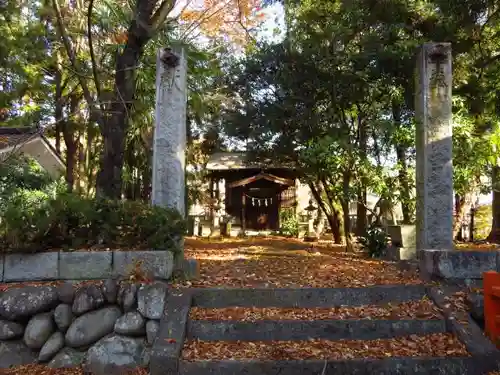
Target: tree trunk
[335, 222]
[361, 218]
[332, 215]
[321, 223]
[89, 170]
[494, 235]
[146, 185]
[459, 214]
[404, 185]
[361, 214]
[345, 208]
[58, 110]
[114, 126]
[70, 142]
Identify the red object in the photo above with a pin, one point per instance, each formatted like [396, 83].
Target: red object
[491, 286]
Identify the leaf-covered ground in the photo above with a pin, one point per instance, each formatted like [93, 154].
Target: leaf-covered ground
[423, 309]
[278, 262]
[436, 345]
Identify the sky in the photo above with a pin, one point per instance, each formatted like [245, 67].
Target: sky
[274, 21]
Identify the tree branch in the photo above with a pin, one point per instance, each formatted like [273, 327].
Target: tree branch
[92, 54]
[161, 14]
[72, 57]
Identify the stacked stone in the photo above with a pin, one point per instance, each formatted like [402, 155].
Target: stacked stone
[97, 326]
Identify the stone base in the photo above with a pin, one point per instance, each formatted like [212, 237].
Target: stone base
[403, 235]
[191, 269]
[400, 253]
[457, 265]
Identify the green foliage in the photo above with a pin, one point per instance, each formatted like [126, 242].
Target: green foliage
[37, 221]
[289, 225]
[482, 222]
[374, 242]
[19, 175]
[21, 172]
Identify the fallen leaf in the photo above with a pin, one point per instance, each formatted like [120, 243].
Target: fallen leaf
[434, 345]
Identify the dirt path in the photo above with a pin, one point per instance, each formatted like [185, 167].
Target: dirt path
[279, 262]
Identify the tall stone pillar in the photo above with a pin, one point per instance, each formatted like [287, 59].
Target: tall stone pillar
[434, 175]
[169, 146]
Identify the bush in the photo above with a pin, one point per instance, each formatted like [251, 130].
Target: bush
[289, 225]
[375, 241]
[36, 220]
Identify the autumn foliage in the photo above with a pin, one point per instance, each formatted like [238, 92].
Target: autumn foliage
[233, 19]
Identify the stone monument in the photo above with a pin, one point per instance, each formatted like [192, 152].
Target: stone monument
[434, 174]
[169, 145]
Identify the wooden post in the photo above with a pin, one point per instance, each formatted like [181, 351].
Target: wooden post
[216, 213]
[471, 225]
[243, 211]
[212, 210]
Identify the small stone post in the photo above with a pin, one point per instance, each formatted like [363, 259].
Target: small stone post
[434, 175]
[169, 185]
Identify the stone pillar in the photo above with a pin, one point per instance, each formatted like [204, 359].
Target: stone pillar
[169, 145]
[222, 196]
[434, 175]
[216, 212]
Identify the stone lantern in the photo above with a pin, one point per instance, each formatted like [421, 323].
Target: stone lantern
[311, 234]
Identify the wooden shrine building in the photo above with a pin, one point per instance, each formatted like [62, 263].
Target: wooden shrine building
[250, 194]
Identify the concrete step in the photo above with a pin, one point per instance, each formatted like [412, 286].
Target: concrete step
[389, 366]
[176, 327]
[306, 297]
[296, 330]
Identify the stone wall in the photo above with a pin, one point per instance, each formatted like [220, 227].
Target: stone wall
[84, 265]
[99, 326]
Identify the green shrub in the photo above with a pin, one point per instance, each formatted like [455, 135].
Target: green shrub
[374, 242]
[36, 220]
[289, 225]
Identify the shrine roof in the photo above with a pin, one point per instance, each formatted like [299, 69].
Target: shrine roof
[223, 161]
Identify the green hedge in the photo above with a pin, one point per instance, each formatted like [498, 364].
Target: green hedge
[38, 221]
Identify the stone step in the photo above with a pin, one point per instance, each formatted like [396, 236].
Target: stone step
[389, 366]
[296, 330]
[306, 297]
[176, 327]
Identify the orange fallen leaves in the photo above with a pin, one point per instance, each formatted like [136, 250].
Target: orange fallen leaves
[484, 246]
[5, 286]
[457, 301]
[423, 309]
[247, 263]
[436, 345]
